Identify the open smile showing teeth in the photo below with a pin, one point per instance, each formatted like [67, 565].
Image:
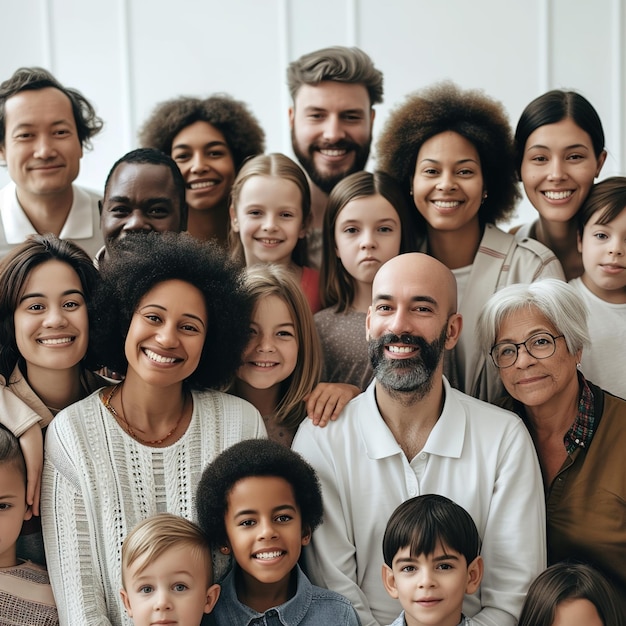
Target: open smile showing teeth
[266, 556]
[153, 356]
[203, 185]
[446, 205]
[270, 242]
[264, 364]
[55, 342]
[333, 153]
[401, 349]
[557, 195]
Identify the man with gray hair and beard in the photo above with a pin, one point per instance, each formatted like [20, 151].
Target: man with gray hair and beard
[410, 434]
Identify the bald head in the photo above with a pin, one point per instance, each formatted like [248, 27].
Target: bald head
[420, 274]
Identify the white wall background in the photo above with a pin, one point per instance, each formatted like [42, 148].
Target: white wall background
[127, 55]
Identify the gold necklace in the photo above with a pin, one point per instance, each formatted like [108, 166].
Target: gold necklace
[106, 401]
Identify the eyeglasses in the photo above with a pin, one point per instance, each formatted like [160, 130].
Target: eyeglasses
[539, 346]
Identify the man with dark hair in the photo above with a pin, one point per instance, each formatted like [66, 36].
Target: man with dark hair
[44, 127]
[411, 433]
[144, 192]
[333, 91]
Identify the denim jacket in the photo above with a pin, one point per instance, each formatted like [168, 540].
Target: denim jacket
[310, 606]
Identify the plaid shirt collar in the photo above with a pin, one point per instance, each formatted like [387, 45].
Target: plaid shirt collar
[581, 431]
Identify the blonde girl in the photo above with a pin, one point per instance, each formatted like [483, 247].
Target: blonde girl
[270, 212]
[281, 364]
[366, 224]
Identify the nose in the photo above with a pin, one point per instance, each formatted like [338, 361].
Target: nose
[524, 358]
[136, 220]
[44, 148]
[269, 222]
[556, 170]
[617, 247]
[367, 241]
[426, 578]
[446, 182]
[399, 323]
[333, 129]
[266, 529]
[266, 343]
[199, 163]
[162, 601]
[167, 335]
[55, 318]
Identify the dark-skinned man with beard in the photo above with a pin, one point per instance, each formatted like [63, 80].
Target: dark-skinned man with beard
[410, 434]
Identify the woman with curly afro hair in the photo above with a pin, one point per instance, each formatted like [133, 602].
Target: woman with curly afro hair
[209, 139]
[171, 313]
[452, 152]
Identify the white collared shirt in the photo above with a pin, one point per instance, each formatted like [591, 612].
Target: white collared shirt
[478, 455]
[82, 225]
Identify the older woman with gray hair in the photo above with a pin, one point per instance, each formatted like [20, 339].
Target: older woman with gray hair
[535, 334]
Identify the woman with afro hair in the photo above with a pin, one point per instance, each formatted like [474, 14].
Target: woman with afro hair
[209, 139]
[172, 315]
[452, 152]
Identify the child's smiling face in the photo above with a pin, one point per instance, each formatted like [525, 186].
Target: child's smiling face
[603, 248]
[265, 533]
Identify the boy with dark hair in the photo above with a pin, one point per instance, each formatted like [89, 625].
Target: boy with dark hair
[431, 549]
[261, 502]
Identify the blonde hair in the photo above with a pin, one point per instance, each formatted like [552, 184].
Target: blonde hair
[273, 280]
[274, 164]
[157, 534]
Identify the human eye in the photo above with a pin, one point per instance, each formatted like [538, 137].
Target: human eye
[539, 158]
[119, 209]
[283, 517]
[408, 569]
[506, 350]
[216, 154]
[601, 236]
[158, 211]
[465, 171]
[4, 506]
[287, 214]
[352, 117]
[146, 589]
[445, 566]
[285, 334]
[351, 230]
[72, 304]
[180, 587]
[430, 171]
[254, 213]
[181, 155]
[247, 522]
[386, 229]
[153, 318]
[190, 328]
[62, 132]
[36, 307]
[540, 341]
[383, 308]
[575, 156]
[315, 116]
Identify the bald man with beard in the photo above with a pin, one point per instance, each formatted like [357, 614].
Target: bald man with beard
[409, 434]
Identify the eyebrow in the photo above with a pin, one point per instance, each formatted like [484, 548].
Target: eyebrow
[429, 299]
[539, 146]
[276, 509]
[31, 124]
[162, 308]
[126, 199]
[532, 332]
[459, 162]
[436, 559]
[313, 109]
[43, 295]
[210, 144]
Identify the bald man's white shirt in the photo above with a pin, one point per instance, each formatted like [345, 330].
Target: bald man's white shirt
[478, 455]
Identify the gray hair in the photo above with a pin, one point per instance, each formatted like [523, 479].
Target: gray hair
[557, 301]
[340, 64]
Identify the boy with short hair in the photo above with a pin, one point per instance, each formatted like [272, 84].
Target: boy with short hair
[261, 501]
[432, 558]
[25, 592]
[602, 286]
[167, 572]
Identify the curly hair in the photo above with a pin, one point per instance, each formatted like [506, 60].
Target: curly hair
[253, 458]
[87, 122]
[470, 113]
[15, 269]
[241, 129]
[340, 64]
[337, 287]
[142, 261]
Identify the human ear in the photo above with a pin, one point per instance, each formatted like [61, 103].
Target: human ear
[474, 575]
[225, 549]
[234, 222]
[126, 602]
[601, 160]
[368, 323]
[28, 513]
[212, 596]
[389, 581]
[579, 242]
[455, 325]
[306, 536]
[292, 115]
